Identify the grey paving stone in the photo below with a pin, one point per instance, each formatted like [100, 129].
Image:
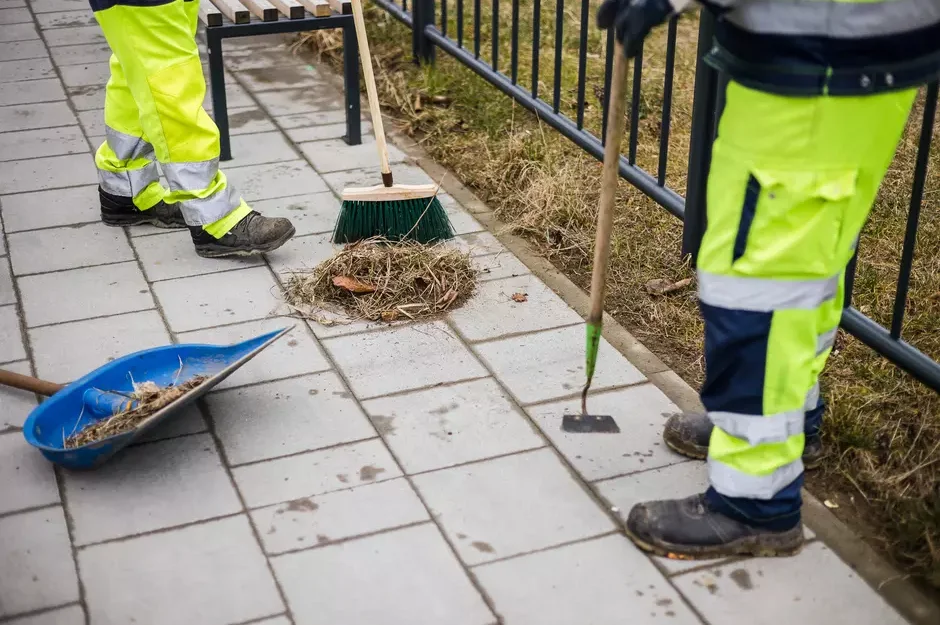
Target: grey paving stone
[172, 255]
[286, 417]
[462, 221]
[406, 577]
[12, 4]
[478, 244]
[335, 155]
[72, 615]
[302, 253]
[310, 214]
[314, 118]
[92, 292]
[85, 74]
[38, 571]
[814, 588]
[499, 267]
[235, 96]
[249, 119]
[51, 172]
[442, 427]
[510, 505]
[551, 587]
[53, 249]
[42, 142]
[66, 19]
[370, 176]
[51, 6]
[17, 32]
[31, 116]
[68, 351]
[429, 352]
[81, 54]
[7, 295]
[320, 97]
[11, 339]
[93, 122]
[15, 16]
[491, 312]
[29, 91]
[32, 69]
[292, 355]
[323, 132]
[550, 364]
[283, 75]
[640, 411]
[317, 521]
[17, 50]
[315, 473]
[276, 180]
[87, 97]
[28, 478]
[74, 36]
[257, 149]
[217, 299]
[227, 579]
[79, 205]
[238, 58]
[329, 325]
[93, 144]
[170, 482]
[15, 405]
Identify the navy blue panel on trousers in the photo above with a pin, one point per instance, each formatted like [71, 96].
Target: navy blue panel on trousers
[814, 419]
[101, 5]
[779, 514]
[735, 359]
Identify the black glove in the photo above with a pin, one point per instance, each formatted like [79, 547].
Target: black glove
[632, 20]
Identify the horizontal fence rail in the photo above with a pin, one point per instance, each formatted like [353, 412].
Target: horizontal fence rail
[444, 25]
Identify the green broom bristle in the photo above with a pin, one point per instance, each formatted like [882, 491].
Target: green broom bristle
[394, 220]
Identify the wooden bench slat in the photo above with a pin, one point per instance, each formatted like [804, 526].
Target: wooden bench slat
[318, 8]
[291, 8]
[209, 15]
[262, 9]
[234, 10]
[343, 7]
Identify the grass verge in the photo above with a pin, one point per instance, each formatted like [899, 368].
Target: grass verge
[882, 429]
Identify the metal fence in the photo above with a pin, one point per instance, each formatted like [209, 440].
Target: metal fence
[432, 28]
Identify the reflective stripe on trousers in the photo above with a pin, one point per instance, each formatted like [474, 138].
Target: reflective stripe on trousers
[125, 164]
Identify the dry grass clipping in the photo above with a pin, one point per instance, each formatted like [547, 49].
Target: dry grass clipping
[146, 399]
[378, 280]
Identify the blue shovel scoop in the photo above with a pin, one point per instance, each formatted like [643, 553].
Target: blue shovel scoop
[106, 390]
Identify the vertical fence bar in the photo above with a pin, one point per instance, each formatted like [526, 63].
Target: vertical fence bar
[666, 119]
[700, 142]
[404, 5]
[536, 35]
[913, 216]
[422, 15]
[582, 60]
[608, 69]
[514, 53]
[460, 23]
[559, 40]
[495, 46]
[476, 29]
[635, 105]
[444, 17]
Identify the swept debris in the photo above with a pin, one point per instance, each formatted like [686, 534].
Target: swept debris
[379, 280]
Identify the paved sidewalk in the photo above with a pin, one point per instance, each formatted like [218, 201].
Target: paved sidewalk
[350, 475]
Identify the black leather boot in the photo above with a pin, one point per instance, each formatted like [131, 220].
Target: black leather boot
[117, 210]
[254, 234]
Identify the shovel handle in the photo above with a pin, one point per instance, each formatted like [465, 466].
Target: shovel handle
[29, 383]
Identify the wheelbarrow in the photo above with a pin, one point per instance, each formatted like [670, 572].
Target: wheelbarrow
[106, 390]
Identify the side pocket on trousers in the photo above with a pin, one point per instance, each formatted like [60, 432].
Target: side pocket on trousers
[751, 195]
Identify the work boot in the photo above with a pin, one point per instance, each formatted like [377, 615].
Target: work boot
[254, 234]
[688, 434]
[117, 210]
[687, 529]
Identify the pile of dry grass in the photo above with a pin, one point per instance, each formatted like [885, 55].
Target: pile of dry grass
[146, 399]
[379, 280]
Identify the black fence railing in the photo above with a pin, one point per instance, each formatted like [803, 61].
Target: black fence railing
[442, 24]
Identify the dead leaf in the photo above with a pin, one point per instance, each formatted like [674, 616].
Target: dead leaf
[352, 285]
[418, 106]
[389, 316]
[830, 504]
[520, 297]
[660, 286]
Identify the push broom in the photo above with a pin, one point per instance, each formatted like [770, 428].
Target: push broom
[392, 211]
[585, 423]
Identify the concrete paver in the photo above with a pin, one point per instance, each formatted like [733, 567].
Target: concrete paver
[170, 255]
[7, 295]
[56, 249]
[29, 91]
[28, 480]
[311, 214]
[11, 339]
[79, 205]
[18, 50]
[42, 142]
[72, 615]
[275, 180]
[15, 405]
[11, 71]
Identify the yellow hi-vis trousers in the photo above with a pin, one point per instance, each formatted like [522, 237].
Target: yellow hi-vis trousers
[791, 183]
[153, 109]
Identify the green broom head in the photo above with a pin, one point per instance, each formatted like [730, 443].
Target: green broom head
[396, 213]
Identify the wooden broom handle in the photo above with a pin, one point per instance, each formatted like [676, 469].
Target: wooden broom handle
[377, 128]
[29, 383]
[610, 177]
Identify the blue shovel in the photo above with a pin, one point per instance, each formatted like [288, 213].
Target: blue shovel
[105, 391]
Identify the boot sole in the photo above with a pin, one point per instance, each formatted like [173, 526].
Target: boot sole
[130, 221]
[788, 544]
[697, 452]
[212, 251]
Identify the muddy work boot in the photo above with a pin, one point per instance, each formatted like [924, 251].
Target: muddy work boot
[117, 210]
[687, 529]
[255, 234]
[688, 434]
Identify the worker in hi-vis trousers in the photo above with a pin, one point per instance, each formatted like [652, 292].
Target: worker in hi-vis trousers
[153, 113]
[819, 95]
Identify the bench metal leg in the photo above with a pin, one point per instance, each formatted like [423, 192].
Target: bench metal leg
[351, 84]
[217, 85]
